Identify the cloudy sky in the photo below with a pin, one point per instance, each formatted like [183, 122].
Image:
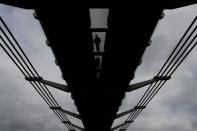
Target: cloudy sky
[173, 109]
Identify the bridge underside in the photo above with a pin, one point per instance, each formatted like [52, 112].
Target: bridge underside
[70, 37]
[98, 99]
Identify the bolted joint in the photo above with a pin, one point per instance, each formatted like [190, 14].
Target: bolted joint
[139, 107]
[33, 78]
[162, 77]
[55, 108]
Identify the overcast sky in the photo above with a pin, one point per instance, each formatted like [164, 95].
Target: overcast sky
[173, 109]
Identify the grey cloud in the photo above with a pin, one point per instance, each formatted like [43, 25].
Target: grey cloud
[194, 124]
[174, 107]
[21, 108]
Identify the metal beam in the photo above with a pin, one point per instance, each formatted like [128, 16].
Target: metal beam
[66, 122]
[71, 113]
[33, 78]
[124, 113]
[141, 84]
[122, 130]
[56, 85]
[49, 83]
[162, 78]
[129, 111]
[145, 83]
[66, 112]
[139, 107]
[118, 126]
[128, 121]
[55, 108]
[78, 127]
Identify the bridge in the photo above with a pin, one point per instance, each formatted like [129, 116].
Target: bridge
[98, 93]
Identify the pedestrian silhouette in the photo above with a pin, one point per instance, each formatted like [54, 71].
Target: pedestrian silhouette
[97, 41]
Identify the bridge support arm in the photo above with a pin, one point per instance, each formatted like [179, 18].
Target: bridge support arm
[55, 85]
[66, 112]
[71, 113]
[118, 126]
[128, 121]
[129, 111]
[78, 127]
[124, 113]
[145, 83]
[49, 83]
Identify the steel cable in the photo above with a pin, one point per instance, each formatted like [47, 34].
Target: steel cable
[144, 102]
[24, 71]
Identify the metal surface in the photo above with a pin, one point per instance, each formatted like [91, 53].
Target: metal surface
[129, 111]
[78, 127]
[145, 83]
[49, 83]
[118, 126]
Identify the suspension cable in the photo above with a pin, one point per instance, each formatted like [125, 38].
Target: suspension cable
[43, 91]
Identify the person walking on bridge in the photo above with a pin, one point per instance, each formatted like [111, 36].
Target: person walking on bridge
[97, 41]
